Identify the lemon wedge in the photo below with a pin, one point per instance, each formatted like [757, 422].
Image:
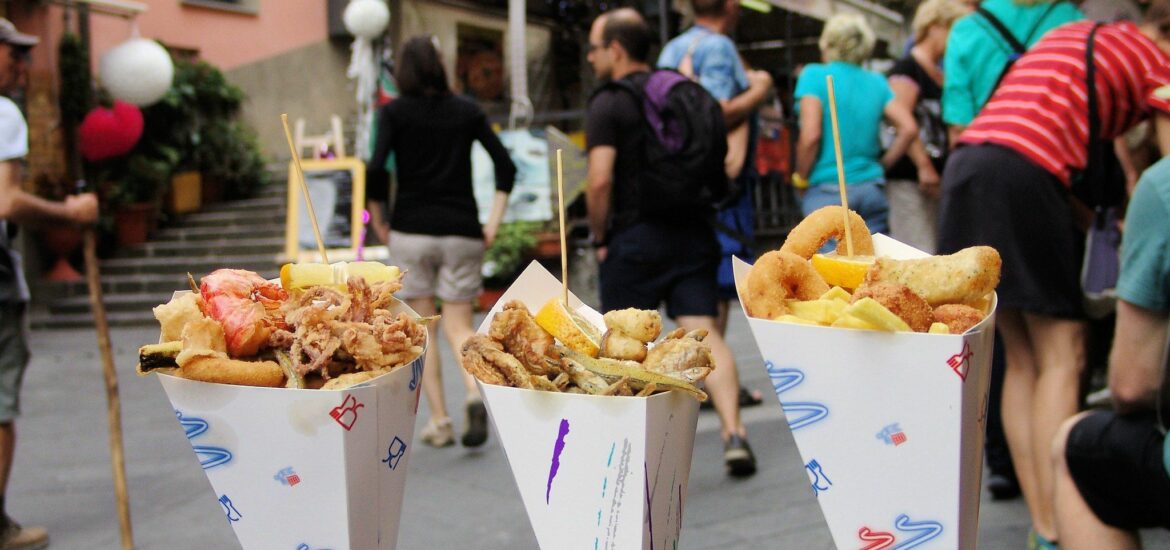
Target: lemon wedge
[570, 328]
[293, 276]
[843, 271]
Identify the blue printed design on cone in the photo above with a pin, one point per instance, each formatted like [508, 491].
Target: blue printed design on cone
[209, 456]
[799, 414]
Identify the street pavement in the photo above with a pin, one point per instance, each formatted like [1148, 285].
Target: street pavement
[455, 498]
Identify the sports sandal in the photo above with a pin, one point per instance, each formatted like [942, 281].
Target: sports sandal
[438, 433]
[1038, 542]
[747, 398]
[15, 537]
[477, 430]
[739, 458]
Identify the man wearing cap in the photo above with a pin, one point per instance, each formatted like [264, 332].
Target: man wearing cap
[18, 206]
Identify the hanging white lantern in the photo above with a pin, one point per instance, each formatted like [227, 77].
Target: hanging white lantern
[366, 18]
[137, 71]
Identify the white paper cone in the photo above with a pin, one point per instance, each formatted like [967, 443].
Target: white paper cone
[305, 468]
[889, 425]
[593, 471]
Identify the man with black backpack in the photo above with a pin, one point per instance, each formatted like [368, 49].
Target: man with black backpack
[656, 145]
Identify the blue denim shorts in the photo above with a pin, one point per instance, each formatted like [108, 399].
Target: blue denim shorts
[867, 199]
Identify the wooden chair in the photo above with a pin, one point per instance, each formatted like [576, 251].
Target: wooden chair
[333, 139]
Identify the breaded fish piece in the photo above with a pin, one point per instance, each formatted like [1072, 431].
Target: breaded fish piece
[964, 276]
[643, 325]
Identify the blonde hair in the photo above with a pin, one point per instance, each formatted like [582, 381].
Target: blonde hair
[936, 12]
[847, 37]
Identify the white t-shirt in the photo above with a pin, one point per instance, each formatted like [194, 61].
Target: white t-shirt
[13, 131]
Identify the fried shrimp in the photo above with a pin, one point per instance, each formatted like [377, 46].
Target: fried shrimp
[965, 276]
[826, 223]
[901, 301]
[778, 276]
[958, 317]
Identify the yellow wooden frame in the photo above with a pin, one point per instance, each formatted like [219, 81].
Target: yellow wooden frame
[296, 197]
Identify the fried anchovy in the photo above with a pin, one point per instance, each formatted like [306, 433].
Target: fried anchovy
[612, 371]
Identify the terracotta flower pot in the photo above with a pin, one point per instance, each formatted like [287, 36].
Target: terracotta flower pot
[62, 240]
[133, 222]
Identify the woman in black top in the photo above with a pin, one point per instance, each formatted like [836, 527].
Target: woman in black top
[433, 230]
[912, 186]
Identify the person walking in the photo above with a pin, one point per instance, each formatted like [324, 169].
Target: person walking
[19, 206]
[1010, 185]
[648, 260]
[433, 231]
[864, 98]
[706, 54]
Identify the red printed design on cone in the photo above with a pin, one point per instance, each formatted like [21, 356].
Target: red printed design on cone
[346, 413]
[961, 361]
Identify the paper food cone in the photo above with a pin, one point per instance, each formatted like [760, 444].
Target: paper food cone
[889, 425]
[593, 471]
[305, 468]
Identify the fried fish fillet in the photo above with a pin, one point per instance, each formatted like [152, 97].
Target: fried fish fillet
[517, 330]
[965, 276]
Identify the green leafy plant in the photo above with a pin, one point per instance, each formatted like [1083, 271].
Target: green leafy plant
[501, 262]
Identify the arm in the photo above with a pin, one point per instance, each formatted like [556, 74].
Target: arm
[1135, 364]
[599, 188]
[378, 179]
[906, 131]
[737, 109]
[22, 207]
[505, 178]
[809, 142]
[1125, 159]
[906, 93]
[1162, 128]
[378, 221]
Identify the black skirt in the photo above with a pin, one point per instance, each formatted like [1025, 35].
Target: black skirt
[994, 196]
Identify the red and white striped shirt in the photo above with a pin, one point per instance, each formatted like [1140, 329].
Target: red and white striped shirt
[1041, 108]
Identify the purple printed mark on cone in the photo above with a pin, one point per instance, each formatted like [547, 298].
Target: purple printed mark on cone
[556, 457]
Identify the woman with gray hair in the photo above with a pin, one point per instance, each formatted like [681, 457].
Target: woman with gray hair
[863, 99]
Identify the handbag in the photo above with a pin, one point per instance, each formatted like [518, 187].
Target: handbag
[1101, 186]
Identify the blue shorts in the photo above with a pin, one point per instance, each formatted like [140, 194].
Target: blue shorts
[14, 356]
[649, 263]
[867, 199]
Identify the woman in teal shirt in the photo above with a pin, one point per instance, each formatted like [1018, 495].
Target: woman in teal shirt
[863, 99]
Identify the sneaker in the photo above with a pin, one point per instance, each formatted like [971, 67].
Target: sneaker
[16, 537]
[438, 433]
[477, 430]
[738, 456]
[1038, 542]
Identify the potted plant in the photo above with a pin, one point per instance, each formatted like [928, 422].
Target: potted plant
[504, 258]
[135, 189]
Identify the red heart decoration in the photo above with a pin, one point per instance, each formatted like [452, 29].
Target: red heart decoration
[107, 133]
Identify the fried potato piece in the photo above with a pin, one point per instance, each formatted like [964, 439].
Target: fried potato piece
[222, 370]
[175, 314]
[516, 329]
[617, 345]
[876, 315]
[939, 328]
[821, 312]
[640, 324]
[965, 276]
[958, 317]
[901, 301]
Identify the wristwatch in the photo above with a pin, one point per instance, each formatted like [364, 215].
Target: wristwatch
[798, 181]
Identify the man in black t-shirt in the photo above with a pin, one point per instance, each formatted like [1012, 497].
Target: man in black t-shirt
[644, 261]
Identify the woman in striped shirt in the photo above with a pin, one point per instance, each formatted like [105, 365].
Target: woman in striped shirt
[1008, 186]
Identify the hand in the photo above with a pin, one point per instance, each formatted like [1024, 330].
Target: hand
[928, 182]
[759, 79]
[382, 233]
[602, 252]
[82, 208]
[489, 234]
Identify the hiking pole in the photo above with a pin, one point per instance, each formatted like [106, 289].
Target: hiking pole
[113, 402]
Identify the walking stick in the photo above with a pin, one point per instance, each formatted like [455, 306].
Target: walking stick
[113, 402]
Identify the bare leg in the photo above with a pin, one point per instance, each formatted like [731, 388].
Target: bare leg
[723, 383]
[1019, 384]
[721, 316]
[1078, 526]
[457, 328]
[433, 364]
[1059, 347]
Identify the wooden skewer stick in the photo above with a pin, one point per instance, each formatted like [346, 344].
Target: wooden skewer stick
[840, 164]
[304, 187]
[564, 247]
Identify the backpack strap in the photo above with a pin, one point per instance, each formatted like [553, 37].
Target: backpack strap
[1018, 48]
[1003, 31]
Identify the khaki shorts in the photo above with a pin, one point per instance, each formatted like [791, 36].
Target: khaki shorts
[447, 267]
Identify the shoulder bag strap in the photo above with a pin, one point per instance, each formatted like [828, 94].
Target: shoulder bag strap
[1094, 156]
[1003, 31]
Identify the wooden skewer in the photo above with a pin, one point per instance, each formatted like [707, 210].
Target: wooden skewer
[840, 164]
[304, 187]
[564, 248]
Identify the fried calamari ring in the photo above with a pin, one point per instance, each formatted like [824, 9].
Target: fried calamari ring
[901, 301]
[826, 223]
[778, 276]
[958, 317]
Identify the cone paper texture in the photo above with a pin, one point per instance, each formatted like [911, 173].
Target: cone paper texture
[593, 471]
[305, 468]
[889, 425]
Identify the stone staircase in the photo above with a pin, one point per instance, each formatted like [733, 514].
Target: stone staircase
[244, 234]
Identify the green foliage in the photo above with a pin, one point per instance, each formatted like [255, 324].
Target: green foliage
[502, 260]
[231, 155]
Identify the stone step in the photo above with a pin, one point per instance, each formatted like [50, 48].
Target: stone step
[213, 233]
[137, 301]
[129, 284]
[230, 217]
[196, 266]
[80, 320]
[188, 249]
[251, 206]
